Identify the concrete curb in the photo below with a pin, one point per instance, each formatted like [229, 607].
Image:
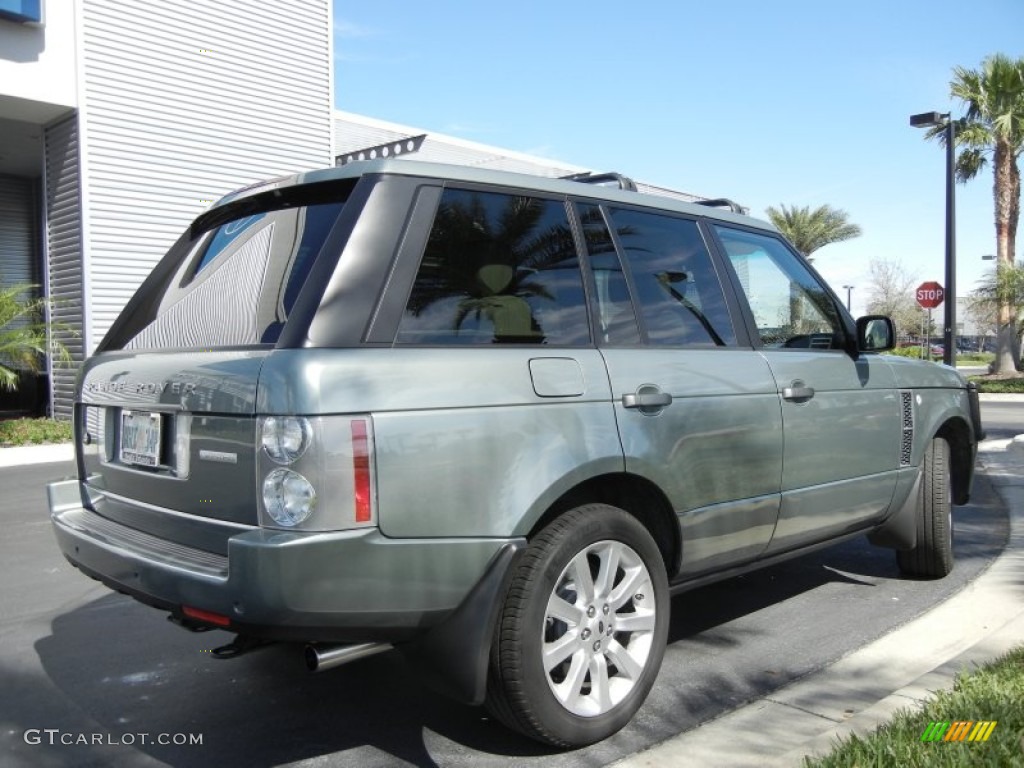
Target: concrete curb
[864, 689]
[36, 454]
[998, 397]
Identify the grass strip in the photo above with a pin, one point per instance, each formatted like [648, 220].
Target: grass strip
[994, 692]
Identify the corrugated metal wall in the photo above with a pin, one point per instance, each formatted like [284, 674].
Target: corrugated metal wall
[18, 224]
[64, 251]
[182, 101]
[19, 265]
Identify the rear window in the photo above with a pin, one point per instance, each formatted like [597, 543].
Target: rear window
[236, 283]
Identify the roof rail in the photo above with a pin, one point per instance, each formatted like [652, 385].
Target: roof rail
[587, 177]
[723, 202]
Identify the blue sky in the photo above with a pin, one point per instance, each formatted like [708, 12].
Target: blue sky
[786, 102]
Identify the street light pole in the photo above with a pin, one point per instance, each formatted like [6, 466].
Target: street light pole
[848, 289]
[927, 120]
[949, 351]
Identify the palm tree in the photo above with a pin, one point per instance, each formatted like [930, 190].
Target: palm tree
[23, 336]
[1004, 286]
[810, 230]
[993, 129]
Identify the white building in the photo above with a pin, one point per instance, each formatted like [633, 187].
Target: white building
[120, 120]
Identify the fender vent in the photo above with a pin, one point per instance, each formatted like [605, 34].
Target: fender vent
[907, 444]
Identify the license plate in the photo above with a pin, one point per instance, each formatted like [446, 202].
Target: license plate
[140, 438]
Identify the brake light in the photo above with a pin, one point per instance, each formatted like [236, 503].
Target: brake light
[361, 472]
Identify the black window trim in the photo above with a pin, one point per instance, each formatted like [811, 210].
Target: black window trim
[590, 280]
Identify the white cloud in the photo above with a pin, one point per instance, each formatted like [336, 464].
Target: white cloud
[349, 30]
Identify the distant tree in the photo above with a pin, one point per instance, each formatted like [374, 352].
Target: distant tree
[1003, 287]
[891, 292]
[810, 230]
[994, 128]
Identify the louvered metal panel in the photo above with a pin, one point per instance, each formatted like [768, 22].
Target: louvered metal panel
[182, 101]
[18, 221]
[64, 253]
[19, 264]
[353, 132]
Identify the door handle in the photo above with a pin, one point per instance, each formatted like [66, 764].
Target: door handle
[797, 393]
[647, 400]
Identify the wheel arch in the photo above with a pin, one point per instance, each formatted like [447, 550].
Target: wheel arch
[633, 494]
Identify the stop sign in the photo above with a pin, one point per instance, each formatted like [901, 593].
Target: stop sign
[930, 294]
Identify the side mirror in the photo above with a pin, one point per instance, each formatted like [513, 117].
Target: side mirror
[875, 333]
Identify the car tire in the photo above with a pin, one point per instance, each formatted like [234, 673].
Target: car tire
[933, 556]
[582, 630]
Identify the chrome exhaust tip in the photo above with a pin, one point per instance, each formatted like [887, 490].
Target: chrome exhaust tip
[323, 657]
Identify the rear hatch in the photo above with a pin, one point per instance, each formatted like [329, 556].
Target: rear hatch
[166, 412]
[167, 443]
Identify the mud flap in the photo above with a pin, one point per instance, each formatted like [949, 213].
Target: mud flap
[900, 530]
[452, 657]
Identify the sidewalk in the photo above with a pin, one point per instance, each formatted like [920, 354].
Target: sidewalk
[901, 670]
[36, 454]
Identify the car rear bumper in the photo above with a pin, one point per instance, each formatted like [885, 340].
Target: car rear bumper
[347, 586]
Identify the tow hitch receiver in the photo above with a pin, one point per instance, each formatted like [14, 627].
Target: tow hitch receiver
[240, 645]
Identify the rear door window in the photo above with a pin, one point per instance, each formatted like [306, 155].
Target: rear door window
[675, 285]
[497, 269]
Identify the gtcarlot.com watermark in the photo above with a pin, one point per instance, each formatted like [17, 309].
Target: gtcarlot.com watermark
[55, 736]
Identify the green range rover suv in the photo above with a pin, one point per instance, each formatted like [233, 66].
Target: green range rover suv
[493, 421]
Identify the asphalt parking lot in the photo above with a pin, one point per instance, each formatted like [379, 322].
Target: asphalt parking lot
[82, 665]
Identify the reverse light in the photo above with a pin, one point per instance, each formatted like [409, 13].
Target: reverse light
[289, 498]
[286, 438]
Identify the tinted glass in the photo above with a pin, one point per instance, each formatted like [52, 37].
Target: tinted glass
[238, 282]
[497, 269]
[791, 308]
[223, 236]
[616, 320]
[676, 287]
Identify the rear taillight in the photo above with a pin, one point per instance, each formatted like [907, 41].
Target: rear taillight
[316, 473]
[361, 472]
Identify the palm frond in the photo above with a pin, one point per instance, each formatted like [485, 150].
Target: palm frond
[25, 337]
[810, 230]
